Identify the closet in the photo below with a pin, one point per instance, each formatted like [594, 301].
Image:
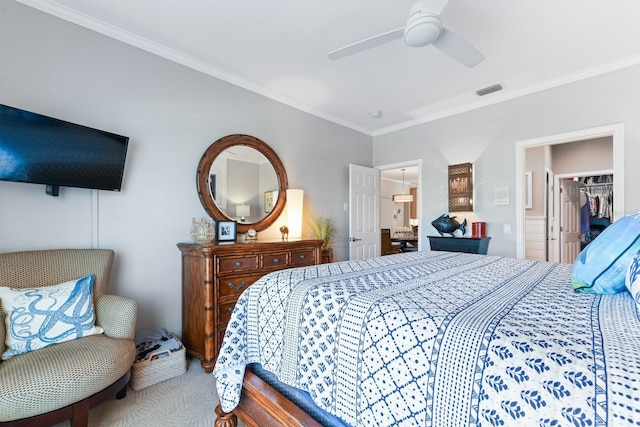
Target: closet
[596, 206]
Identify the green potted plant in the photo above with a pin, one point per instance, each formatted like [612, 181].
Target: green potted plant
[323, 227]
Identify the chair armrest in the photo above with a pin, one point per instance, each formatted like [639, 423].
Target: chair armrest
[117, 316]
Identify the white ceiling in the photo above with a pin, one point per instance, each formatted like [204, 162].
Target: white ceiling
[407, 175]
[278, 48]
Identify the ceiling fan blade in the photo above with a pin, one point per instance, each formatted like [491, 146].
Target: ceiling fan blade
[365, 44]
[458, 48]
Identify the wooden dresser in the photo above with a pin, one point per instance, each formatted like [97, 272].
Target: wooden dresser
[213, 277]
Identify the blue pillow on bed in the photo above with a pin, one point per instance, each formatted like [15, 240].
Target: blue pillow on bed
[602, 266]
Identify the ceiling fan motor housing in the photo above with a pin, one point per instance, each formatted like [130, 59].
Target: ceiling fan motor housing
[423, 27]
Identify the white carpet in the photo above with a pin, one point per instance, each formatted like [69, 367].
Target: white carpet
[186, 400]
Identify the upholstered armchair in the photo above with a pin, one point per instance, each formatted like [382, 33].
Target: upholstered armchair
[63, 381]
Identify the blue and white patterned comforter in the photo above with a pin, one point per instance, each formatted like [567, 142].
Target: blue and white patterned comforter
[440, 339]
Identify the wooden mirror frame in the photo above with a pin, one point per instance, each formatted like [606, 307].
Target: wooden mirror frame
[204, 168]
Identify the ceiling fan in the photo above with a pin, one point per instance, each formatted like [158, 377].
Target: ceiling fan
[424, 27]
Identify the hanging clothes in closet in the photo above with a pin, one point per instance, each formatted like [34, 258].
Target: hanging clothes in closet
[596, 206]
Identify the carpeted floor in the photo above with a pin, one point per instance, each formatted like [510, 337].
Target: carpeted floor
[186, 400]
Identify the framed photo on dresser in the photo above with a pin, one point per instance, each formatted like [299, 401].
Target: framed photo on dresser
[226, 231]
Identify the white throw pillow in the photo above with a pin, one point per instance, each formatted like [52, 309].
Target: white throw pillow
[38, 317]
[632, 281]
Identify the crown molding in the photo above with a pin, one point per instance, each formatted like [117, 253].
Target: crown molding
[91, 23]
[114, 32]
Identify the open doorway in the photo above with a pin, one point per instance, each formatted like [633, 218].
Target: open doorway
[554, 229]
[583, 210]
[546, 221]
[402, 219]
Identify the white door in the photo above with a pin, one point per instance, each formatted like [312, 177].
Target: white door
[550, 214]
[569, 221]
[364, 207]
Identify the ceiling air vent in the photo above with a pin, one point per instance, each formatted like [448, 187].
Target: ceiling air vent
[489, 89]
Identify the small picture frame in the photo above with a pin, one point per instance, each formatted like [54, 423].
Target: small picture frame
[269, 200]
[226, 231]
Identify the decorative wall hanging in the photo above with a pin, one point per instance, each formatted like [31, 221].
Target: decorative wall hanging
[461, 187]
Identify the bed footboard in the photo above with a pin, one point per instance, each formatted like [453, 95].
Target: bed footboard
[262, 406]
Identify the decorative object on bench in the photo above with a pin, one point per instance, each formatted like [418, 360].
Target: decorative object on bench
[447, 224]
[47, 384]
[160, 356]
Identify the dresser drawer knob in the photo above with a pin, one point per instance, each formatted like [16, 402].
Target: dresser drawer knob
[301, 256]
[242, 285]
[276, 260]
[238, 263]
[230, 309]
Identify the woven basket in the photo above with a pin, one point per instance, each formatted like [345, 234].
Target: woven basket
[168, 364]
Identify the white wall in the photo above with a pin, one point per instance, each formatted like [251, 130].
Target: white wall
[171, 114]
[487, 138]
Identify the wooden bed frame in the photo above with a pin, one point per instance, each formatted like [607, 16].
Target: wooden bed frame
[263, 406]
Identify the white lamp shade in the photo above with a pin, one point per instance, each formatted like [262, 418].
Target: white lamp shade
[243, 210]
[294, 213]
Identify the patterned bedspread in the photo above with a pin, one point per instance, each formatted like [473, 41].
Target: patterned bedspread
[440, 339]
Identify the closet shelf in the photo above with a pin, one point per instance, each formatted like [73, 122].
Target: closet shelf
[600, 185]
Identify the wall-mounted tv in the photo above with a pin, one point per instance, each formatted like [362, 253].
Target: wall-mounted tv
[44, 150]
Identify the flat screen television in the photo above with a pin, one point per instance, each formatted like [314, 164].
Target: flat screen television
[44, 150]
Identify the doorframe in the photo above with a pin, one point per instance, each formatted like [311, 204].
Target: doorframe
[616, 131]
[556, 204]
[400, 165]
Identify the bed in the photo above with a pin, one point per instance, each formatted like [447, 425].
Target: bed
[429, 339]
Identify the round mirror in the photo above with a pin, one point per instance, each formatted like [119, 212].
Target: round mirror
[241, 178]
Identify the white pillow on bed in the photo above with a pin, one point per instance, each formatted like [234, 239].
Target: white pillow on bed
[632, 281]
[39, 317]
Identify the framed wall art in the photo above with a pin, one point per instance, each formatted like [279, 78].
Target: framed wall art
[461, 187]
[270, 198]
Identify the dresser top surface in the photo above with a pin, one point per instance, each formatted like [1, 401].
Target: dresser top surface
[245, 245]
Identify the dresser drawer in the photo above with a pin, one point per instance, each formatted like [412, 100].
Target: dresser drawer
[275, 259]
[235, 285]
[239, 263]
[224, 312]
[303, 257]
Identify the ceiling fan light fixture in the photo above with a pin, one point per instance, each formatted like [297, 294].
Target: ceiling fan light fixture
[423, 28]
